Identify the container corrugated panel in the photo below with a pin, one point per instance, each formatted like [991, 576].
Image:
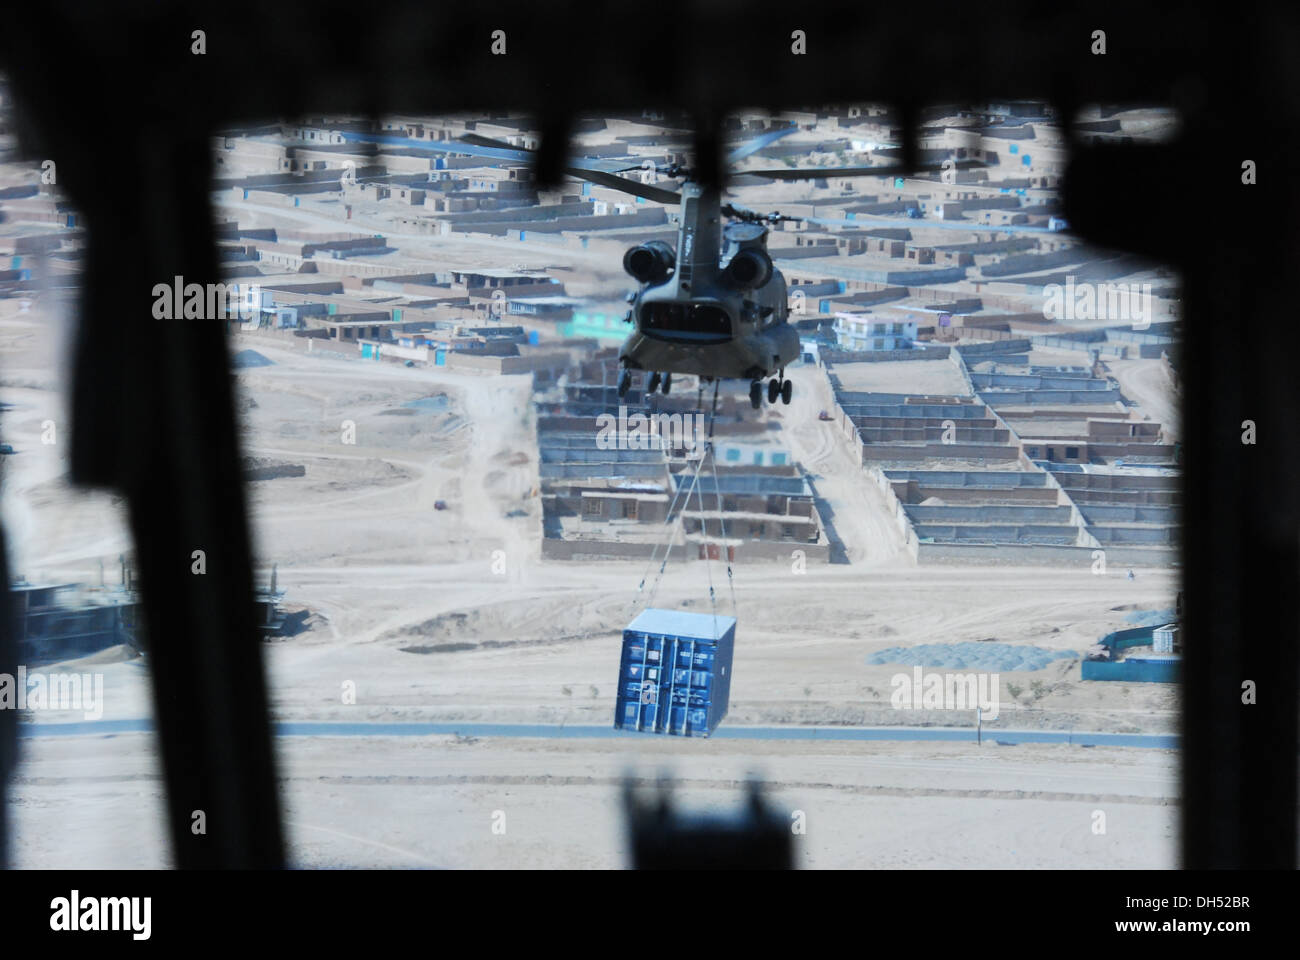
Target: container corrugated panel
[674, 675]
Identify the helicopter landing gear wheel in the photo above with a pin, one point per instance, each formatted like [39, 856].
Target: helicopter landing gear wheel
[624, 382]
[668, 383]
[653, 385]
[756, 394]
[773, 390]
[787, 390]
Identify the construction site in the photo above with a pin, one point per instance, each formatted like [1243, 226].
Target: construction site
[459, 512]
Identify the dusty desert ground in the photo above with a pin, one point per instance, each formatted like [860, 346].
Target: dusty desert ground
[452, 615]
[432, 802]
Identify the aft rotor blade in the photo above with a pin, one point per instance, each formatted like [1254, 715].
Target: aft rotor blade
[649, 192]
[593, 173]
[480, 141]
[510, 154]
[864, 221]
[758, 143]
[584, 163]
[476, 146]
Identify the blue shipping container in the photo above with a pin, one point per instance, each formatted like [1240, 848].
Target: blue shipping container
[675, 673]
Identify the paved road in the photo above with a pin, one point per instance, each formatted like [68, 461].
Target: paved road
[557, 731]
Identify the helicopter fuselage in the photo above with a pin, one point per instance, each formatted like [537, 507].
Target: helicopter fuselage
[716, 318]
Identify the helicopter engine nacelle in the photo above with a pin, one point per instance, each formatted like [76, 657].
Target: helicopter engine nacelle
[749, 269]
[650, 262]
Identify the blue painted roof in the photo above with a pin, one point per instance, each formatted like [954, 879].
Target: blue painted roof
[677, 623]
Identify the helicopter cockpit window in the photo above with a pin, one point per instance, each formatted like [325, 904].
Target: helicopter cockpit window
[686, 318]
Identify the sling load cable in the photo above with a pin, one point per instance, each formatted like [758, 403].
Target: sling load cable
[704, 536]
[704, 520]
[668, 518]
[722, 520]
[672, 534]
[681, 516]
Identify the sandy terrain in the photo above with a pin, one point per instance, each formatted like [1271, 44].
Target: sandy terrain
[432, 802]
[392, 582]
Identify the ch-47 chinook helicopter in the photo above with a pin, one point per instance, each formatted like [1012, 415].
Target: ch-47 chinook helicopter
[715, 306]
